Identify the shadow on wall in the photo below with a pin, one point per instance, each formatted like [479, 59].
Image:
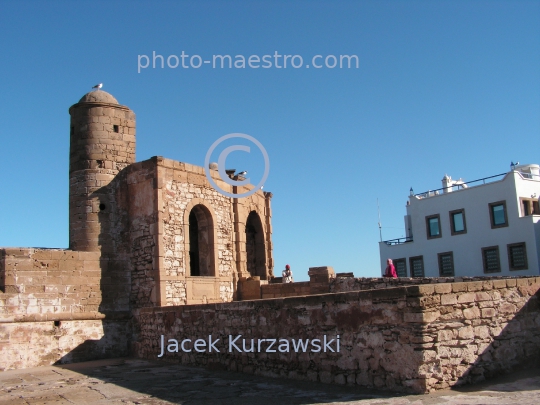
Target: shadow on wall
[470, 341]
[480, 334]
[497, 350]
[112, 299]
[414, 339]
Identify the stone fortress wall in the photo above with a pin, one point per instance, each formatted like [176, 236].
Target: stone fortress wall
[133, 243]
[324, 280]
[52, 308]
[155, 250]
[415, 339]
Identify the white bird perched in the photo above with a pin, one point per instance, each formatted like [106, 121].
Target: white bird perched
[242, 173]
[98, 86]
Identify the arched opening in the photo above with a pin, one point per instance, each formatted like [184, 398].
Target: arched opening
[201, 242]
[255, 254]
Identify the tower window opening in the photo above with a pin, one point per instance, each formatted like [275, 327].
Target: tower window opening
[102, 207]
[71, 130]
[115, 128]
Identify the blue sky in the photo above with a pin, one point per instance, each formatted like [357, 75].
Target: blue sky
[442, 87]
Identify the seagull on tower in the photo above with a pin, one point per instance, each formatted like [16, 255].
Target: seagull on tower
[98, 86]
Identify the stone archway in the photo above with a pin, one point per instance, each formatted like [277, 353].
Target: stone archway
[255, 249]
[201, 242]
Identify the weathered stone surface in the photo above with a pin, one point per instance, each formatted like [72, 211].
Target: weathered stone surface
[32, 344]
[448, 299]
[471, 313]
[156, 250]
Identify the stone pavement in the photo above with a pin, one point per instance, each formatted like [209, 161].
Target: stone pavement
[135, 381]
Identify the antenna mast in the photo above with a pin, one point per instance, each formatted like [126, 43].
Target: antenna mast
[379, 214]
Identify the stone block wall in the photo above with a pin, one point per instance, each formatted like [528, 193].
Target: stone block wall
[53, 309]
[37, 282]
[285, 290]
[102, 143]
[319, 283]
[477, 329]
[250, 289]
[323, 280]
[34, 344]
[181, 187]
[137, 187]
[345, 284]
[410, 339]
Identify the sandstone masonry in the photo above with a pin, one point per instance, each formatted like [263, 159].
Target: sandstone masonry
[155, 251]
[410, 339]
[153, 233]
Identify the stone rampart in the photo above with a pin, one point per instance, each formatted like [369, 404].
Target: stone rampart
[319, 283]
[345, 284]
[34, 344]
[285, 290]
[48, 281]
[409, 339]
[322, 281]
[52, 308]
[53, 283]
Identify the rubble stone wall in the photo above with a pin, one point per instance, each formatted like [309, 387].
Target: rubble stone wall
[410, 339]
[182, 187]
[144, 233]
[477, 329]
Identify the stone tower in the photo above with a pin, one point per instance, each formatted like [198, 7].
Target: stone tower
[102, 143]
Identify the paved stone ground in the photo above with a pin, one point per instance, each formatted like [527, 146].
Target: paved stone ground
[135, 381]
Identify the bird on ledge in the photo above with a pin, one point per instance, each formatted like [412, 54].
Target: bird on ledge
[98, 86]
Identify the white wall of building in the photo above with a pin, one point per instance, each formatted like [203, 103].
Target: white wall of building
[467, 247]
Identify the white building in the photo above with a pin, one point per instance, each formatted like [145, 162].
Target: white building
[484, 227]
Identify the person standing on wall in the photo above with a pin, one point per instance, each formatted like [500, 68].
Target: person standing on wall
[390, 269]
[287, 275]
